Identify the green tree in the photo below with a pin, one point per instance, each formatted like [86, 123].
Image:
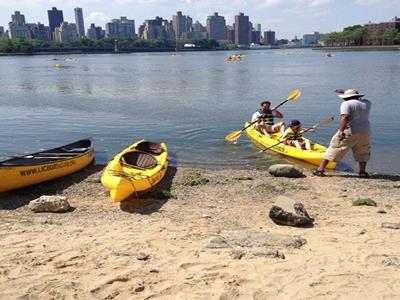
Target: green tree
[397, 39]
[377, 37]
[389, 36]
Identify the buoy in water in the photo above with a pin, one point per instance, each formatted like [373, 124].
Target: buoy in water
[58, 66]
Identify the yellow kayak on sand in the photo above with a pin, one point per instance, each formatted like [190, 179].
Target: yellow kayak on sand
[46, 165]
[313, 156]
[136, 169]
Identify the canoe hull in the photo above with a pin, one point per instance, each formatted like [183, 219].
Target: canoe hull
[264, 142]
[14, 177]
[123, 181]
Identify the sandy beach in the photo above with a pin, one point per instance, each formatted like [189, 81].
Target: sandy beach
[203, 234]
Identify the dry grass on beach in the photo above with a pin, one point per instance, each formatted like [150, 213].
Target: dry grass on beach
[159, 247]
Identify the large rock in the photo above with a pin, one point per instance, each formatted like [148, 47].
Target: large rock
[285, 170]
[57, 204]
[288, 212]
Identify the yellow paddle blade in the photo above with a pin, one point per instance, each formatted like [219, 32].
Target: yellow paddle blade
[294, 95]
[233, 136]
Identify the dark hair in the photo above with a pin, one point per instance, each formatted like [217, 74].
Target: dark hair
[265, 102]
[294, 123]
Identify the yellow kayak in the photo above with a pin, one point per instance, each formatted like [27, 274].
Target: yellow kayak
[314, 156]
[46, 165]
[136, 169]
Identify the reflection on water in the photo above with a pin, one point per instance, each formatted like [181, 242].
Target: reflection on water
[191, 102]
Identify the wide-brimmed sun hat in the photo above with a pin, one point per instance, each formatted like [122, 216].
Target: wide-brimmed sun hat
[350, 93]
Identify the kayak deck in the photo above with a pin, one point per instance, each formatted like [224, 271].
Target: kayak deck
[136, 169]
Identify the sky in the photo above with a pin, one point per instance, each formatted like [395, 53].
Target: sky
[286, 17]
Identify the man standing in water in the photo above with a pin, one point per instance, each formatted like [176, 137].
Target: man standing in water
[265, 117]
[354, 133]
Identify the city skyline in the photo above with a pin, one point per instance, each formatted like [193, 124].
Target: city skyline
[287, 17]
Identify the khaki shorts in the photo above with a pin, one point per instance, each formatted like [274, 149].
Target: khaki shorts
[358, 143]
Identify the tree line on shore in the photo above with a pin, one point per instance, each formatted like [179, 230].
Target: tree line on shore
[24, 46]
[358, 35]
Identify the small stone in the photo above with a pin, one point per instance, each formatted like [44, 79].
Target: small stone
[381, 211]
[237, 254]
[391, 225]
[154, 271]
[243, 178]
[366, 202]
[218, 242]
[288, 212]
[205, 216]
[285, 170]
[391, 262]
[142, 256]
[269, 253]
[364, 231]
[56, 204]
[139, 289]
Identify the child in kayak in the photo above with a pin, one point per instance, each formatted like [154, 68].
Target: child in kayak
[293, 136]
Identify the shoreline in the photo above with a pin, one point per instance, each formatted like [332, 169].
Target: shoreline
[168, 244]
[359, 48]
[139, 50]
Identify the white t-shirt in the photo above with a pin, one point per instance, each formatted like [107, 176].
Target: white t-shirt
[358, 111]
[257, 114]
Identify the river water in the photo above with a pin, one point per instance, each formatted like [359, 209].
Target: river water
[191, 101]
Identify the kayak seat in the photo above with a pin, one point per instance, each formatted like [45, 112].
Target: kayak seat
[150, 147]
[139, 160]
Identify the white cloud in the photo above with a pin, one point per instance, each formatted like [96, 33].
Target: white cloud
[97, 18]
[371, 2]
[294, 3]
[320, 2]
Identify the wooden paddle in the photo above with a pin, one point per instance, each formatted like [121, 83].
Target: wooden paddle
[233, 136]
[322, 123]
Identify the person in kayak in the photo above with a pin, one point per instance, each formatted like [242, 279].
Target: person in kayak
[293, 136]
[265, 117]
[354, 133]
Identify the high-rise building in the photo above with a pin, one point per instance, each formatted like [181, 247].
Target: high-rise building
[269, 37]
[216, 27]
[66, 32]
[121, 28]
[1, 32]
[256, 37]
[154, 29]
[198, 32]
[17, 27]
[40, 32]
[230, 33]
[55, 19]
[79, 22]
[258, 27]
[17, 18]
[95, 32]
[242, 29]
[181, 24]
